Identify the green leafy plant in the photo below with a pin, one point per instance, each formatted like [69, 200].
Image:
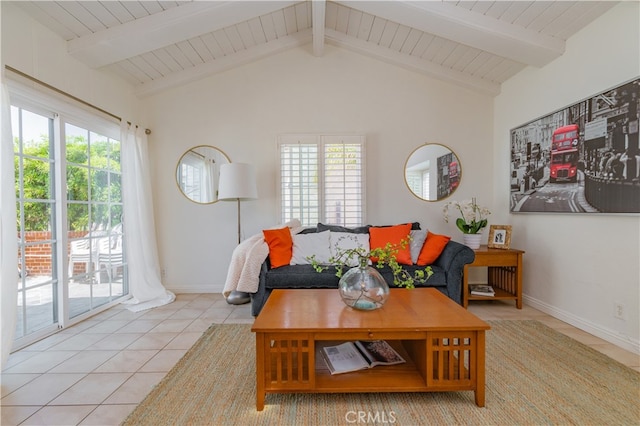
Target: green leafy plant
[344, 260]
[472, 217]
[103, 182]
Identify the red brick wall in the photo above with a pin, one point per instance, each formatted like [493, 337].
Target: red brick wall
[38, 256]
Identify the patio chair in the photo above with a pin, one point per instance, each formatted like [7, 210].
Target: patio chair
[110, 256]
[85, 250]
[80, 252]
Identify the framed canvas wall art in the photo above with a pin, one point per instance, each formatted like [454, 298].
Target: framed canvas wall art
[584, 158]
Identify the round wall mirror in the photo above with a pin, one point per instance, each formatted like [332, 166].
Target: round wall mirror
[198, 172]
[432, 172]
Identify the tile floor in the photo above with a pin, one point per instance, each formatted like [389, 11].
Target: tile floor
[96, 372]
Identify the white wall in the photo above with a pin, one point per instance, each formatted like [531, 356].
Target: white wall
[36, 51]
[242, 112]
[576, 265]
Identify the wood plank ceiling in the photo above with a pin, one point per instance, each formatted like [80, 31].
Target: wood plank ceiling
[156, 45]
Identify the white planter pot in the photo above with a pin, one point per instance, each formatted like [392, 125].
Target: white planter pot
[472, 240]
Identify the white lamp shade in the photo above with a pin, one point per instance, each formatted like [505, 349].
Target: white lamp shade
[237, 182]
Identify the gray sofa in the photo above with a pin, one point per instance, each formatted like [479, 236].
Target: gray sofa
[447, 275]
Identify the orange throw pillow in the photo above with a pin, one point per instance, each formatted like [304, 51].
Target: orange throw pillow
[280, 246]
[432, 248]
[379, 237]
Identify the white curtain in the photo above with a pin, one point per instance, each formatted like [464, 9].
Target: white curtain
[142, 252]
[209, 181]
[8, 232]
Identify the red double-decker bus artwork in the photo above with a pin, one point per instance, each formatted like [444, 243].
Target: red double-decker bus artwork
[564, 154]
[565, 137]
[453, 175]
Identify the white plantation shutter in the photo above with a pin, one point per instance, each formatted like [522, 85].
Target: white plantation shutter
[417, 179]
[414, 181]
[425, 185]
[343, 180]
[322, 179]
[299, 182]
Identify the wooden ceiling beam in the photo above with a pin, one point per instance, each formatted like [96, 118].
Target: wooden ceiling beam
[318, 10]
[165, 28]
[469, 28]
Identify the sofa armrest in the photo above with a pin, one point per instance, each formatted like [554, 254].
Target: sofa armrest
[452, 260]
[259, 298]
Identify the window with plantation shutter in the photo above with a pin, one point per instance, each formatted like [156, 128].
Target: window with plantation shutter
[418, 183]
[322, 179]
[299, 192]
[425, 185]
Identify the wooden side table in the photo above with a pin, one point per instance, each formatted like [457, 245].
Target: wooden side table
[504, 274]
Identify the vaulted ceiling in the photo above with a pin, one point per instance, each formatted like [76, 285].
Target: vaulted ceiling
[156, 45]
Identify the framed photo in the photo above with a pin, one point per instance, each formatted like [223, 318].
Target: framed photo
[499, 236]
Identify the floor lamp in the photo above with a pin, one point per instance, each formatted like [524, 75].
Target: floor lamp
[237, 182]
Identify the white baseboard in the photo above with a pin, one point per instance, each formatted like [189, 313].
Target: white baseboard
[597, 330]
[194, 289]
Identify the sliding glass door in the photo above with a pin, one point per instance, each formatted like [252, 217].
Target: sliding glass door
[94, 219]
[36, 210]
[72, 256]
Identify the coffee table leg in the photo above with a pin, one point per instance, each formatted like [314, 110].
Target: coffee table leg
[260, 391]
[260, 402]
[480, 373]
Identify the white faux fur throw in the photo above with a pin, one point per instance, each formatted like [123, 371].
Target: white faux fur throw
[246, 260]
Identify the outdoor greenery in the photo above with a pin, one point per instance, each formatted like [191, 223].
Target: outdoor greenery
[100, 184]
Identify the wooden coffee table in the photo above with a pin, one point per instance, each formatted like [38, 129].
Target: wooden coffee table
[443, 344]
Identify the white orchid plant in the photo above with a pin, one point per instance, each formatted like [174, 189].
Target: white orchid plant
[472, 217]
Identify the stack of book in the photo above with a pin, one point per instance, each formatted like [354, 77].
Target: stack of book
[482, 290]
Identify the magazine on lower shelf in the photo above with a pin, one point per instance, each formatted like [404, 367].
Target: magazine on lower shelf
[359, 355]
[482, 290]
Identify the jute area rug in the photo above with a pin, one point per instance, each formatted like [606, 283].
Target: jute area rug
[535, 375]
